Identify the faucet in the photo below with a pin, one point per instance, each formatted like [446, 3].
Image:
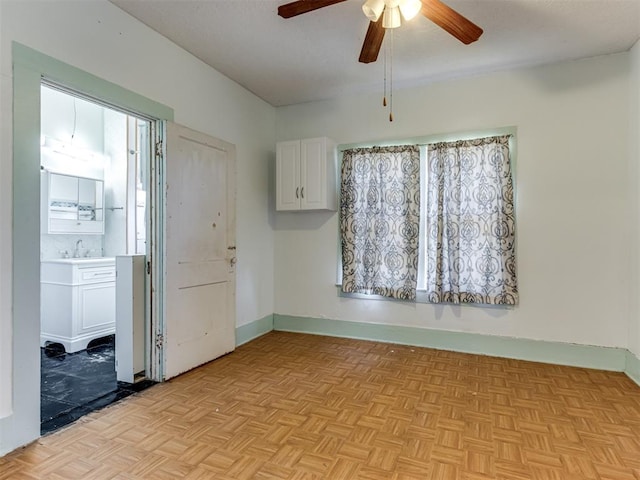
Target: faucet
[76, 252]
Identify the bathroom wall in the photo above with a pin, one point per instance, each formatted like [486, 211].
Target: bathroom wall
[66, 122]
[115, 183]
[72, 120]
[60, 246]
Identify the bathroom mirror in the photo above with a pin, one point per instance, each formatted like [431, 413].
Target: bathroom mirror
[74, 204]
[89, 199]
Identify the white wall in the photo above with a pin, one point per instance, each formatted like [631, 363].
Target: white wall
[101, 39]
[572, 200]
[6, 209]
[634, 179]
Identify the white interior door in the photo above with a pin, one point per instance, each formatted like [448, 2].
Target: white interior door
[199, 249]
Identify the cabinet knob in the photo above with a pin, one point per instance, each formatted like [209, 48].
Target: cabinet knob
[297, 190]
[302, 192]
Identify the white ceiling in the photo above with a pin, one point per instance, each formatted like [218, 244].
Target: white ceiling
[315, 55]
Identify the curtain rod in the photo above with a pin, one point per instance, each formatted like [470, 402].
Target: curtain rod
[438, 138]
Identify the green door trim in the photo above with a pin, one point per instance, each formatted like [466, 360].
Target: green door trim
[29, 69]
[87, 84]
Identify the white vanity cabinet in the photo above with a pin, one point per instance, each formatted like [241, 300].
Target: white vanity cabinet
[78, 301]
[71, 204]
[306, 175]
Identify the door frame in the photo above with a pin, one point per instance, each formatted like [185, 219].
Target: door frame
[156, 258]
[29, 67]
[154, 298]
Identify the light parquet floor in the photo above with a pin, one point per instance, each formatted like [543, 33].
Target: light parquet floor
[292, 406]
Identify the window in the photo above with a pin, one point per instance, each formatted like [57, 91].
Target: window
[465, 224]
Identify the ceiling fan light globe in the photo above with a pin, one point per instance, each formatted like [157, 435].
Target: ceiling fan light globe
[373, 9]
[391, 18]
[410, 8]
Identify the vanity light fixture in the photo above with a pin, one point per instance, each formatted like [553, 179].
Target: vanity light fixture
[56, 150]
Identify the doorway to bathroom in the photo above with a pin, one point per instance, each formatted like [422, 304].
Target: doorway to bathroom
[94, 222]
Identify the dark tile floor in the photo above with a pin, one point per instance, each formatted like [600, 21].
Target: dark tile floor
[74, 384]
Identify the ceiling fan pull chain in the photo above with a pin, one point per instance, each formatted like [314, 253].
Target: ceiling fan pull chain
[386, 54]
[391, 81]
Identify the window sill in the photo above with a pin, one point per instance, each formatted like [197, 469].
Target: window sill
[421, 297]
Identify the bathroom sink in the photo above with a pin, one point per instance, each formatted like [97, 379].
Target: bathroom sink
[82, 260]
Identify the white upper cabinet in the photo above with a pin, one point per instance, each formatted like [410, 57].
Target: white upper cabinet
[306, 175]
[288, 175]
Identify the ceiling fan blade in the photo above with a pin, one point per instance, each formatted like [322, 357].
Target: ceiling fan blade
[372, 42]
[303, 6]
[463, 29]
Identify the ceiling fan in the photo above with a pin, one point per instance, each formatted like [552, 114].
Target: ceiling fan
[386, 14]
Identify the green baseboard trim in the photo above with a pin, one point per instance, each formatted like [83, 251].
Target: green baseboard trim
[255, 329]
[588, 356]
[633, 367]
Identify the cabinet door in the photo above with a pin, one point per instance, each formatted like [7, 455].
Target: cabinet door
[313, 173]
[288, 175]
[96, 307]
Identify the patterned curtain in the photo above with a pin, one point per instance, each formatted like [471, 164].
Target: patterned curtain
[471, 256]
[380, 220]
